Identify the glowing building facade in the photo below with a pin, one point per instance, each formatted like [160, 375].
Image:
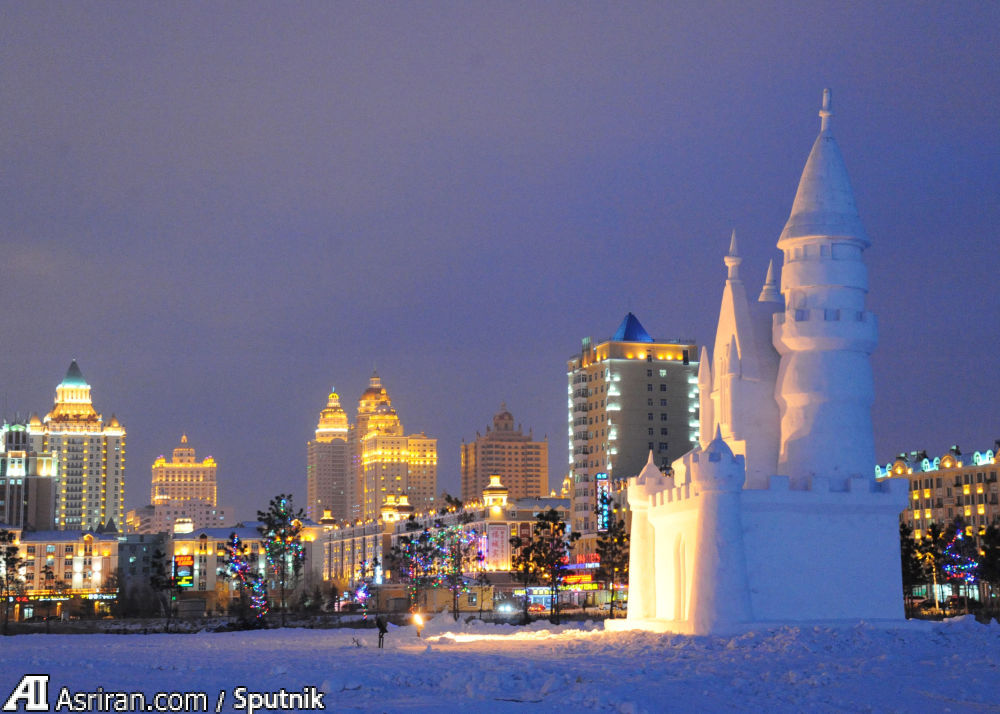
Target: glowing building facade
[27, 482]
[387, 461]
[90, 489]
[521, 462]
[183, 494]
[183, 478]
[328, 465]
[947, 487]
[627, 396]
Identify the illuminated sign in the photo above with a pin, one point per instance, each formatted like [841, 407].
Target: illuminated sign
[603, 493]
[579, 578]
[184, 571]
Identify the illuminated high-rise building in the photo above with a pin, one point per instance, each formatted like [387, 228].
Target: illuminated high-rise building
[27, 482]
[521, 462]
[627, 396]
[328, 465]
[182, 490]
[387, 461]
[90, 490]
[184, 478]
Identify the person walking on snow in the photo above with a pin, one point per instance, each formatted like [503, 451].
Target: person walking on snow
[383, 627]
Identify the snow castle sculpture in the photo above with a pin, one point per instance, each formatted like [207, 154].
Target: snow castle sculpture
[778, 518]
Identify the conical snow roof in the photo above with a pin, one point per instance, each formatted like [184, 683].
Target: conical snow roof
[824, 203]
[650, 473]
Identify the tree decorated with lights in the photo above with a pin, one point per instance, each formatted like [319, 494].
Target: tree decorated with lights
[437, 556]
[240, 569]
[960, 561]
[281, 527]
[612, 547]
[458, 555]
[929, 550]
[550, 553]
[414, 559]
[522, 567]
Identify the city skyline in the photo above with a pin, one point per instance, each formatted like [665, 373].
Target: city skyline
[222, 213]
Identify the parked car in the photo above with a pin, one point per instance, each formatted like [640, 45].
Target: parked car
[959, 604]
[537, 607]
[568, 607]
[619, 605]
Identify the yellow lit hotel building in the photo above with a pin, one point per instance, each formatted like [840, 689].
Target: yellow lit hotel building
[183, 478]
[521, 462]
[328, 465]
[947, 487]
[385, 460]
[183, 494]
[90, 491]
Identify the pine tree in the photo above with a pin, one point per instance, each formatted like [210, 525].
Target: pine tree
[163, 582]
[989, 564]
[458, 553]
[522, 567]
[414, 559]
[612, 548]
[281, 526]
[550, 553]
[960, 557]
[249, 583]
[10, 578]
[912, 569]
[929, 552]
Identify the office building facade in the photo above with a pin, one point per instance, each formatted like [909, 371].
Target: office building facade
[627, 396]
[505, 451]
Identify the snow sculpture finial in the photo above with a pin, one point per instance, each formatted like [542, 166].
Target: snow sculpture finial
[733, 259]
[770, 292]
[825, 112]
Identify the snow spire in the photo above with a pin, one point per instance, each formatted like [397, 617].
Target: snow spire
[770, 293]
[733, 259]
[824, 202]
[825, 112]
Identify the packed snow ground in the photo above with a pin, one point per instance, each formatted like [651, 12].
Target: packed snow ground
[952, 666]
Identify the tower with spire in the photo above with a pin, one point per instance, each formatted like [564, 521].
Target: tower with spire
[387, 461]
[737, 387]
[787, 484]
[825, 334]
[328, 464]
[90, 454]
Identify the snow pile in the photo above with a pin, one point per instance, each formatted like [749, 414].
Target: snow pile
[917, 666]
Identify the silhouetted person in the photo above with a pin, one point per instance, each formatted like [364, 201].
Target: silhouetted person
[383, 627]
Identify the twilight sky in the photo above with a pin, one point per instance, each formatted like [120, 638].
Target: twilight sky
[222, 209]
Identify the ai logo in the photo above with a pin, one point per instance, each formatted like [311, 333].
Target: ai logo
[33, 689]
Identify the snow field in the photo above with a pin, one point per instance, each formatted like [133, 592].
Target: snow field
[916, 666]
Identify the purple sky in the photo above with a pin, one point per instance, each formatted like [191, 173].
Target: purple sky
[221, 210]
